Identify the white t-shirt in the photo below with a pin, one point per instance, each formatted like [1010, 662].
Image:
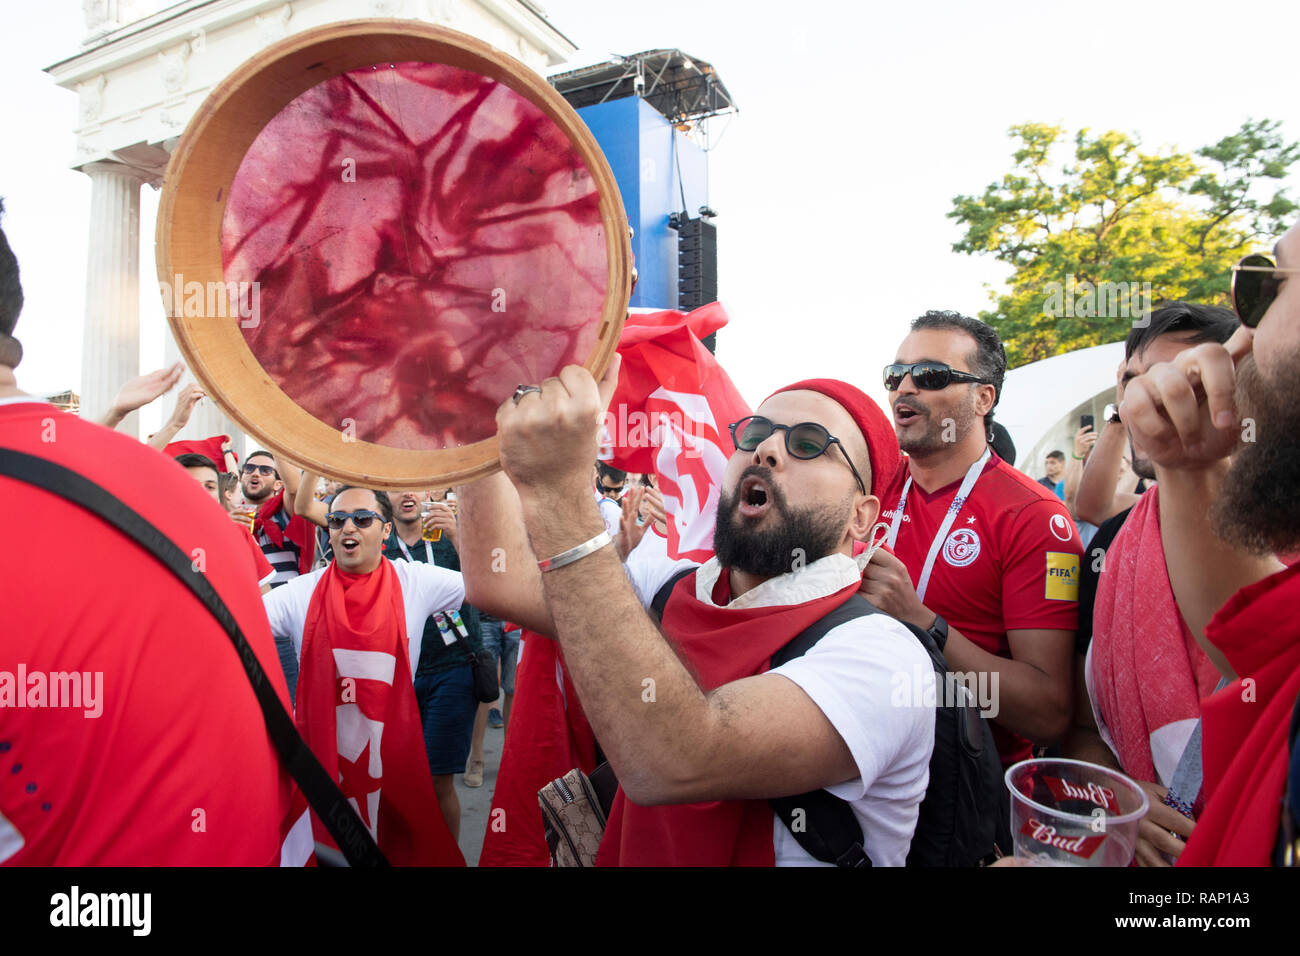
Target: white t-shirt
[870, 677]
[426, 589]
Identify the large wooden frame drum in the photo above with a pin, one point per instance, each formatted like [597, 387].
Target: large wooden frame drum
[192, 210]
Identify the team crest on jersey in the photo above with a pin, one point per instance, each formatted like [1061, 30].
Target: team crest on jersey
[962, 547]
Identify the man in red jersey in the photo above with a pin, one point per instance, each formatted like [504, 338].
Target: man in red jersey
[1221, 525]
[984, 557]
[129, 734]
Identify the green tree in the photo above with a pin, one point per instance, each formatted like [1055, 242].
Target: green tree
[1095, 242]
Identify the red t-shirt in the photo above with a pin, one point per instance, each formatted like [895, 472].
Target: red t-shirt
[158, 754]
[1010, 561]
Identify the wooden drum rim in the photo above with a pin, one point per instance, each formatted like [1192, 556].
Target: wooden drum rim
[197, 186]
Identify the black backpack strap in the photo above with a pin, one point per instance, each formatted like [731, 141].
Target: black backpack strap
[855, 607]
[664, 593]
[321, 792]
[824, 825]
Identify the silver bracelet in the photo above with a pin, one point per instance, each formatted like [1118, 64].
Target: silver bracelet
[576, 553]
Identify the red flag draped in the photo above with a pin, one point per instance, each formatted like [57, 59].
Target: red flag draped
[356, 709]
[547, 737]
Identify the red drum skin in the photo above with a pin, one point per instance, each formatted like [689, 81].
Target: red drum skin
[424, 240]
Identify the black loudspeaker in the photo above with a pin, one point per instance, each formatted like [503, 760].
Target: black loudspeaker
[697, 267]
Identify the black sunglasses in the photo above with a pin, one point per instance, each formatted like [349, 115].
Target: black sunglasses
[804, 441]
[1254, 287]
[266, 470]
[928, 376]
[337, 519]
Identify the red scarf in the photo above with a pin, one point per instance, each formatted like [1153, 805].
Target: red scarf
[548, 735]
[356, 709]
[719, 645]
[299, 530]
[1244, 726]
[1147, 670]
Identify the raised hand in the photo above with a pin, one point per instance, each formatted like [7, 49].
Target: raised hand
[186, 399]
[549, 439]
[140, 391]
[630, 531]
[1183, 413]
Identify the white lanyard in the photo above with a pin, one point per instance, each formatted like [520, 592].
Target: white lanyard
[428, 552]
[972, 475]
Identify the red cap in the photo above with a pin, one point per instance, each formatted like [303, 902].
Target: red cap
[882, 443]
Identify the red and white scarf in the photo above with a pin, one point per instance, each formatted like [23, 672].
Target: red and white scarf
[1148, 674]
[356, 709]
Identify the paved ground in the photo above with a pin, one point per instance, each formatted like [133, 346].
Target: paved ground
[476, 802]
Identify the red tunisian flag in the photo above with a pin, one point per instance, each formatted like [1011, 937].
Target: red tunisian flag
[669, 415]
[208, 447]
[548, 736]
[356, 709]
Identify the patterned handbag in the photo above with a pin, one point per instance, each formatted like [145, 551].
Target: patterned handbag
[573, 819]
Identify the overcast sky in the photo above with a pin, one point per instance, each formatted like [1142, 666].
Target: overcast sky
[859, 123]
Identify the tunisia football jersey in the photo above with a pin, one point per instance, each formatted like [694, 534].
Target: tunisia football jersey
[129, 733]
[1010, 561]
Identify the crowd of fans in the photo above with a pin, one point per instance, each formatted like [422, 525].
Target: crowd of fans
[1128, 607]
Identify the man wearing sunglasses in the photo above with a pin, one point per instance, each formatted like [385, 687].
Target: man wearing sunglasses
[984, 557]
[356, 625]
[1222, 523]
[287, 540]
[700, 730]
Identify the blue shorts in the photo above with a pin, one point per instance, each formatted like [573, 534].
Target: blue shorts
[447, 708]
[504, 647]
[288, 664]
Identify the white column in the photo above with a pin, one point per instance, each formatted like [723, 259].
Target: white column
[111, 340]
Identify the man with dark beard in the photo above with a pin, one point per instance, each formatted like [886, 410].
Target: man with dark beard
[1139, 672]
[699, 731]
[984, 557]
[1222, 525]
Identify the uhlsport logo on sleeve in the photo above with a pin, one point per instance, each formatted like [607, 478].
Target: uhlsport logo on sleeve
[1062, 576]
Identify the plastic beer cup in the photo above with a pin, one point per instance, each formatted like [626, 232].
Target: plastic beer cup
[1072, 813]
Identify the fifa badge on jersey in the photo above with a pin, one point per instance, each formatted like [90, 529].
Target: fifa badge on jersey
[1062, 576]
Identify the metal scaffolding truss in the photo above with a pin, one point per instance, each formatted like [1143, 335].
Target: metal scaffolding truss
[683, 88]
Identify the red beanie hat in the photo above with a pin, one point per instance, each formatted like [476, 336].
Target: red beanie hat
[882, 443]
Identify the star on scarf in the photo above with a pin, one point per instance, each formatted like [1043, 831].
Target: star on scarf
[355, 781]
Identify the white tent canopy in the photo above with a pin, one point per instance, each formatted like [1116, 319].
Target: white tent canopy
[1041, 402]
